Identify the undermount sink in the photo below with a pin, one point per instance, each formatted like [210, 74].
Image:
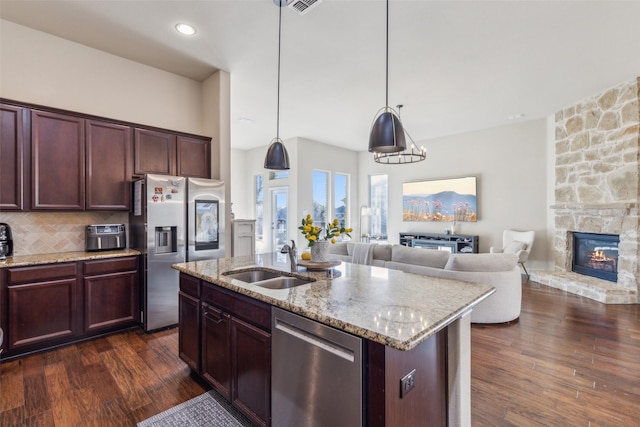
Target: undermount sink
[268, 279]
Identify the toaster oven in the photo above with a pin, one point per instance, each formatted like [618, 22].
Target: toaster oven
[105, 237]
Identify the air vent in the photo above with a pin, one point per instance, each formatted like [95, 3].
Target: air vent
[303, 6]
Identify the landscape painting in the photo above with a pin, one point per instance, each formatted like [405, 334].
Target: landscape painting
[446, 200]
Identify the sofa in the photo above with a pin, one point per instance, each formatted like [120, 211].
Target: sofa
[499, 270]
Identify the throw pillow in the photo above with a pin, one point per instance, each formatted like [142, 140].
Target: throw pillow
[514, 247]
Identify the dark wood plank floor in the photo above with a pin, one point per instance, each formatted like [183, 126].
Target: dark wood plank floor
[568, 361]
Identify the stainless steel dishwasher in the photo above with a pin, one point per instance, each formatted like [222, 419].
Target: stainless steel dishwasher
[316, 374]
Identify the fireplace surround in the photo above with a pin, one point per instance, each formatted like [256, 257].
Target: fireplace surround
[597, 190]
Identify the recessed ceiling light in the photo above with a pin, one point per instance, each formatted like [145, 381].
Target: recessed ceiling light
[186, 29]
[516, 116]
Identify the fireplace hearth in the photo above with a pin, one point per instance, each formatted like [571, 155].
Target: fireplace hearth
[596, 255]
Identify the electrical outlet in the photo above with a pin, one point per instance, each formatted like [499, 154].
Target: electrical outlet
[407, 383]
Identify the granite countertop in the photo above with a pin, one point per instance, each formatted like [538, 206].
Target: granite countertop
[26, 260]
[390, 307]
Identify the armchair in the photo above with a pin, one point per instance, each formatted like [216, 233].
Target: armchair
[516, 242]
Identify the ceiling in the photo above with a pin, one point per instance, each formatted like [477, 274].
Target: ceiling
[456, 66]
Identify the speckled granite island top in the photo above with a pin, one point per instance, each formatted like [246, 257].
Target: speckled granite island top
[390, 307]
[26, 260]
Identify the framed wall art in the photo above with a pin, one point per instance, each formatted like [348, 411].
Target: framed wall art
[446, 200]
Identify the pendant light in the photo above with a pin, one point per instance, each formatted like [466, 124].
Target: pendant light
[277, 157]
[387, 135]
[411, 154]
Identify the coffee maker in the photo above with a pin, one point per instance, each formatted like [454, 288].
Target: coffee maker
[6, 242]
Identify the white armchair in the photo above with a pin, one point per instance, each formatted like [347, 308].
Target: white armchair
[516, 242]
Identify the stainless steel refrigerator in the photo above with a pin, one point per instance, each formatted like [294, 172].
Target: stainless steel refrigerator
[174, 219]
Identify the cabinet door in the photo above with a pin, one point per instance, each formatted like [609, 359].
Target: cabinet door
[110, 300]
[189, 330]
[12, 121]
[108, 166]
[43, 312]
[57, 161]
[251, 352]
[216, 349]
[193, 157]
[154, 152]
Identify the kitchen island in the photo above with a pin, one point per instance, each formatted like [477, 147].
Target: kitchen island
[406, 321]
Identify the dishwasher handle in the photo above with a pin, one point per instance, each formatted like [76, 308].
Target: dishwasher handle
[313, 339]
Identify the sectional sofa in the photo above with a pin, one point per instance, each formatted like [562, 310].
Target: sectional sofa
[499, 270]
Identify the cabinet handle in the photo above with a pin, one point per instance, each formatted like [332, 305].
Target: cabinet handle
[216, 320]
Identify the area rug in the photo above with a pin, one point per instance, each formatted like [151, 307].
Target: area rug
[208, 409]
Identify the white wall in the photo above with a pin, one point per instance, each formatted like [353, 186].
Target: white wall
[305, 156]
[510, 163]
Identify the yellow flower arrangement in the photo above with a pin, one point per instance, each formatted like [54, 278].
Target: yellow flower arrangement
[313, 233]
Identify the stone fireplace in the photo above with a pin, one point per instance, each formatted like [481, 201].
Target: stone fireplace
[597, 190]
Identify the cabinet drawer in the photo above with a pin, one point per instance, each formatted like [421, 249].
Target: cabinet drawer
[242, 307]
[190, 285]
[41, 272]
[111, 265]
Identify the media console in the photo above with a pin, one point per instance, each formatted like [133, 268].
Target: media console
[454, 243]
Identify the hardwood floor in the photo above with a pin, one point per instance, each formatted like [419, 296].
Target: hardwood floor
[117, 380]
[568, 361]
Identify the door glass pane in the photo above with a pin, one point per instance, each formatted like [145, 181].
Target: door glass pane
[320, 198]
[341, 199]
[279, 217]
[258, 192]
[378, 195]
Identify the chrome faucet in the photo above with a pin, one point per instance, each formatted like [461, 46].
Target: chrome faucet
[293, 255]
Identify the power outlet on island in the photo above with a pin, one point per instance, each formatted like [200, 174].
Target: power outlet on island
[407, 383]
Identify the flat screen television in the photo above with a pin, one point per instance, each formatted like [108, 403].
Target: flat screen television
[445, 200]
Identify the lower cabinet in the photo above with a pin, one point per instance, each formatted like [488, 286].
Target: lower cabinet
[235, 345]
[53, 304]
[110, 293]
[42, 306]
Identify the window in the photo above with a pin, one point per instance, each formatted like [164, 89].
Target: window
[320, 197]
[341, 198]
[279, 174]
[258, 192]
[378, 196]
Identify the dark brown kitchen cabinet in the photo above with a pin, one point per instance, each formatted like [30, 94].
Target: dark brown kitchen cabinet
[236, 350]
[189, 321]
[13, 132]
[110, 294]
[251, 375]
[193, 157]
[108, 166]
[154, 152]
[57, 161]
[42, 306]
[216, 349]
[53, 304]
[167, 153]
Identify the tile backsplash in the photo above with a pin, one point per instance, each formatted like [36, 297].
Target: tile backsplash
[37, 233]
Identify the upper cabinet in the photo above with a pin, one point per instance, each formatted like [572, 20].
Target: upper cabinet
[13, 122]
[60, 160]
[155, 152]
[193, 157]
[57, 161]
[170, 154]
[108, 166]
